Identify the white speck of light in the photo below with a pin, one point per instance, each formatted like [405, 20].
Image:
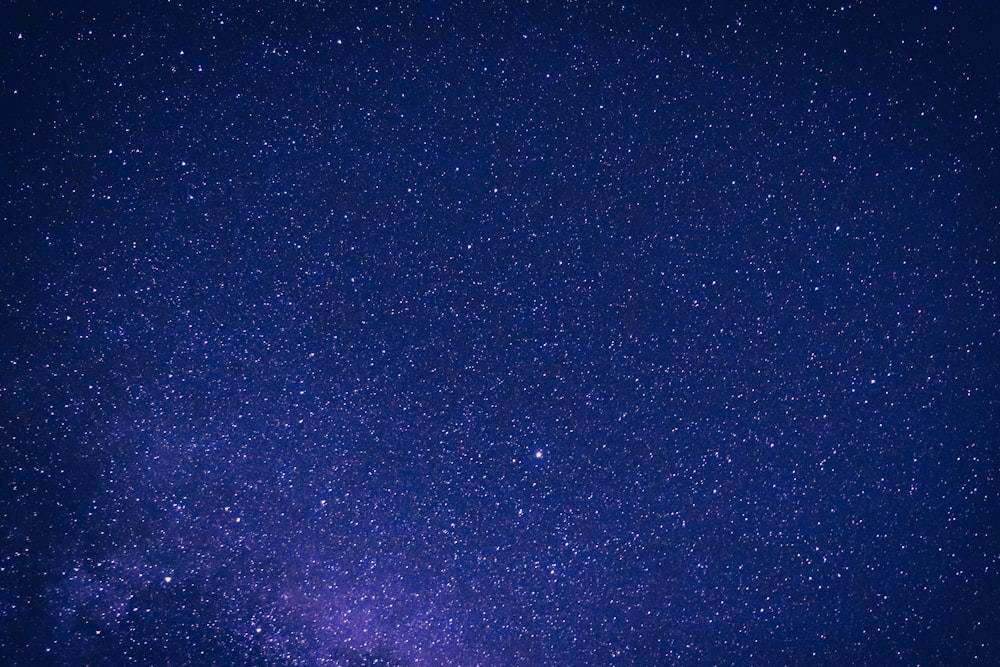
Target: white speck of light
[168, 579]
[539, 454]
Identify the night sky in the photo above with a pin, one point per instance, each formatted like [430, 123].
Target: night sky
[499, 334]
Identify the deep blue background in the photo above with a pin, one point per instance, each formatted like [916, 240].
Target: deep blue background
[557, 334]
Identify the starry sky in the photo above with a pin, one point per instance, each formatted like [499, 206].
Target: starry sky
[460, 333]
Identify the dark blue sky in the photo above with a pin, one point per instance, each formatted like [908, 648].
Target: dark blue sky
[483, 334]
